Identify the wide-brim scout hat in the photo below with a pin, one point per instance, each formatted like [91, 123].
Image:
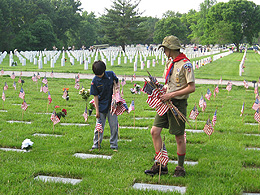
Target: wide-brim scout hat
[171, 42]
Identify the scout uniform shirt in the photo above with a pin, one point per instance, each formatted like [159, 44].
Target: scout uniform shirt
[181, 75]
[103, 88]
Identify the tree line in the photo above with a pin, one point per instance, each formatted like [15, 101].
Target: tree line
[43, 24]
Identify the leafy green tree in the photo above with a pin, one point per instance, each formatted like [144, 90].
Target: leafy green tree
[170, 25]
[149, 25]
[122, 24]
[189, 19]
[198, 28]
[87, 33]
[239, 17]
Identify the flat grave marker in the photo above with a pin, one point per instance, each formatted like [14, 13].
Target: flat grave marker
[3, 111]
[252, 148]
[194, 131]
[25, 122]
[185, 162]
[251, 123]
[130, 127]
[85, 156]
[58, 179]
[73, 124]
[45, 135]
[163, 188]
[13, 149]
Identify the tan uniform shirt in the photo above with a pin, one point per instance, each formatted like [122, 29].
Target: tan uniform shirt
[181, 75]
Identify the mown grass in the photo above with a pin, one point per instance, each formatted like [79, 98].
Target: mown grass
[224, 166]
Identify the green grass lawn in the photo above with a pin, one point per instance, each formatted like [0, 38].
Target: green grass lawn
[224, 166]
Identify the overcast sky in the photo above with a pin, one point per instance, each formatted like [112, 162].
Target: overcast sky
[154, 8]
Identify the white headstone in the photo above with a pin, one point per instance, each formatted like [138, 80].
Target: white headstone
[52, 63]
[154, 62]
[135, 66]
[148, 63]
[45, 60]
[119, 60]
[86, 65]
[62, 61]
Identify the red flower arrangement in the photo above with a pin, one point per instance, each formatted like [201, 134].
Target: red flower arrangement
[63, 113]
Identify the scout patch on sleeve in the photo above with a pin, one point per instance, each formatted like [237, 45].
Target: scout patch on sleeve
[188, 66]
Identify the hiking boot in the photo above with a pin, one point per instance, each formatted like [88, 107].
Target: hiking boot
[179, 172]
[155, 169]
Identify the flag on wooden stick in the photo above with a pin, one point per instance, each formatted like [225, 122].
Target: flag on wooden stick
[257, 116]
[132, 106]
[229, 86]
[85, 114]
[54, 118]
[24, 105]
[13, 76]
[99, 127]
[45, 88]
[14, 85]
[242, 109]
[44, 80]
[208, 94]
[162, 156]
[5, 86]
[245, 84]
[22, 93]
[3, 95]
[214, 118]
[194, 113]
[208, 129]
[49, 97]
[2, 71]
[256, 104]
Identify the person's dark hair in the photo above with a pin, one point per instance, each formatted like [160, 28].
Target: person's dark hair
[98, 67]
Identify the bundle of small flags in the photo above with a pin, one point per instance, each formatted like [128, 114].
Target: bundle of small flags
[118, 104]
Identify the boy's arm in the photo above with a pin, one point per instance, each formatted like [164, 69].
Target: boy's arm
[97, 107]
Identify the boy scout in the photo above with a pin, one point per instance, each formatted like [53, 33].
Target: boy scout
[179, 83]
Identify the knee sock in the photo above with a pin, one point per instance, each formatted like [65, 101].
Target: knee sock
[181, 158]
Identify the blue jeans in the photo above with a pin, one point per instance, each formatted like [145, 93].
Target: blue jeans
[113, 123]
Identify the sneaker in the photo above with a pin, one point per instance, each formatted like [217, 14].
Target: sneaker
[155, 169]
[179, 172]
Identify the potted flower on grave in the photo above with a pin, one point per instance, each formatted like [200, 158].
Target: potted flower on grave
[61, 113]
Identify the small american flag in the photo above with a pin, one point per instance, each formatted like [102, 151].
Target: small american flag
[132, 106]
[19, 80]
[245, 84]
[201, 101]
[2, 71]
[41, 88]
[65, 93]
[256, 104]
[162, 157]
[54, 118]
[242, 109]
[44, 80]
[45, 88]
[14, 85]
[76, 79]
[49, 97]
[99, 126]
[229, 86]
[216, 89]
[194, 113]
[257, 116]
[22, 93]
[214, 118]
[34, 78]
[24, 105]
[92, 102]
[5, 86]
[134, 76]
[13, 76]
[38, 76]
[204, 106]
[220, 80]
[77, 86]
[208, 94]
[3, 95]
[21, 73]
[256, 89]
[123, 82]
[52, 74]
[85, 114]
[208, 129]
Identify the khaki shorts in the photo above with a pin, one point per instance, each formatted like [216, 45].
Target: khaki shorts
[168, 121]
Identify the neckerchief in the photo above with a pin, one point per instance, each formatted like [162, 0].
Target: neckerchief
[180, 57]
